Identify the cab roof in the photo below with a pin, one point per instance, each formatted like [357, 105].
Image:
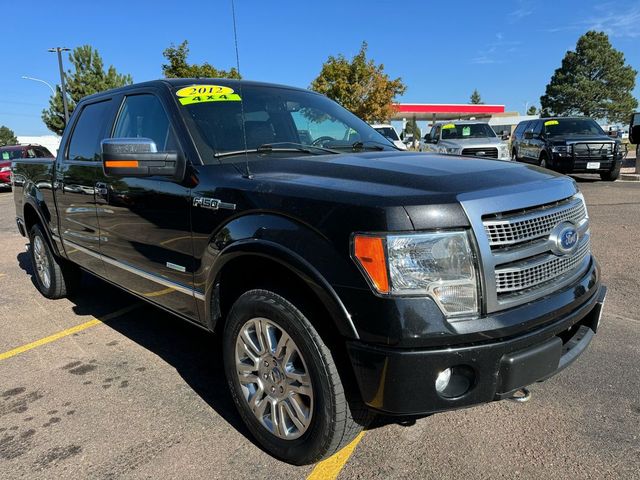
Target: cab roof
[181, 82]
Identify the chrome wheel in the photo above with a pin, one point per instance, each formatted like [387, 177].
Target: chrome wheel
[41, 261]
[274, 378]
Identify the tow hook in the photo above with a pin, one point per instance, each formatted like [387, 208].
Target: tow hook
[521, 395]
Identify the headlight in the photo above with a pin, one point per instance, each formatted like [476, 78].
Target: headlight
[561, 149]
[439, 265]
[452, 150]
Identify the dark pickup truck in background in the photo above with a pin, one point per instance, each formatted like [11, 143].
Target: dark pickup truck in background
[344, 276]
[568, 145]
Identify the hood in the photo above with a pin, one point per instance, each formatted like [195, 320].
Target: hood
[565, 139]
[382, 179]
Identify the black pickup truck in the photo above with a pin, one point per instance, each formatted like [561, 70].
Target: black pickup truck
[345, 277]
[568, 145]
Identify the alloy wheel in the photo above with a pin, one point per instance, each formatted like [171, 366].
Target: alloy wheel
[274, 378]
[41, 261]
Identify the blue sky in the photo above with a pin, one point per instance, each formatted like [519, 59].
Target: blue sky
[508, 50]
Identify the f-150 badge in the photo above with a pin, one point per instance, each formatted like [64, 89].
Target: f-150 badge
[212, 203]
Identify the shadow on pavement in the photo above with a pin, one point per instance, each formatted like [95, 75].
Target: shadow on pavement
[194, 353]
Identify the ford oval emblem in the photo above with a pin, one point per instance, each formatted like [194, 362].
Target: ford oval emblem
[564, 238]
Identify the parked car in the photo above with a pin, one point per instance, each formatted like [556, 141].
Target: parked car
[11, 152]
[568, 145]
[469, 138]
[389, 131]
[345, 278]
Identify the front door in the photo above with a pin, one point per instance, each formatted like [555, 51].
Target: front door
[77, 173]
[144, 222]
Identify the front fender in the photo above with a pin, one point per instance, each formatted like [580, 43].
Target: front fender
[309, 255]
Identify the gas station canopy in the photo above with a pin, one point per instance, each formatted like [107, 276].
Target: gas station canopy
[438, 111]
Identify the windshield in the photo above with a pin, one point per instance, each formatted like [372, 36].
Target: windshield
[10, 154]
[572, 126]
[272, 116]
[452, 131]
[388, 132]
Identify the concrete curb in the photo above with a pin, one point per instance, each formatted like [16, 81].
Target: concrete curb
[630, 177]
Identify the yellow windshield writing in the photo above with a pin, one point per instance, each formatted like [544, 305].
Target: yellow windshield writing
[224, 97]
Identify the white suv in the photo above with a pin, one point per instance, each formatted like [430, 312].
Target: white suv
[389, 132]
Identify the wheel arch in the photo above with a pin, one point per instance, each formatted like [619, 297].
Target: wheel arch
[252, 263]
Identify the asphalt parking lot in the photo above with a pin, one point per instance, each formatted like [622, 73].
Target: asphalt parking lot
[139, 394]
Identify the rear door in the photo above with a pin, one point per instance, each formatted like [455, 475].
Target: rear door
[145, 222]
[78, 169]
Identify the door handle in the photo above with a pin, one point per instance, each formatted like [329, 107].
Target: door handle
[101, 188]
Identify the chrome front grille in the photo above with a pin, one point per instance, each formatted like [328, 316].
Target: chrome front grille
[538, 270]
[519, 227]
[489, 152]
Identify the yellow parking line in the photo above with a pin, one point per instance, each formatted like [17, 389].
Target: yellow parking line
[65, 333]
[2, 274]
[330, 468]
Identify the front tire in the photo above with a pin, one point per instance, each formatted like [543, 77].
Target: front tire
[544, 161]
[284, 380]
[53, 277]
[611, 176]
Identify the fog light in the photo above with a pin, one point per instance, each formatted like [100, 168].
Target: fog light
[455, 381]
[443, 380]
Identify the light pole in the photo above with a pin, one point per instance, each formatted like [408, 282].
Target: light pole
[59, 51]
[41, 81]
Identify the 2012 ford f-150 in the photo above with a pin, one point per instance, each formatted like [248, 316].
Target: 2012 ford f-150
[344, 276]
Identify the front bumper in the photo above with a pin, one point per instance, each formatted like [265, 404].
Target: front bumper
[573, 164]
[402, 382]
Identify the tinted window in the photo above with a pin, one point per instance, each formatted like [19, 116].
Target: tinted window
[387, 132]
[142, 116]
[89, 131]
[42, 152]
[572, 126]
[537, 127]
[520, 129]
[11, 154]
[258, 115]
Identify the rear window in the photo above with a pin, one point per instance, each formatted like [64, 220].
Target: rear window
[89, 131]
[387, 132]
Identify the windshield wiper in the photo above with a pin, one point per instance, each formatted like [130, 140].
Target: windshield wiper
[371, 144]
[278, 147]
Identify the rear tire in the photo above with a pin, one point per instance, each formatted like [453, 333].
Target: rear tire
[53, 276]
[611, 176]
[298, 377]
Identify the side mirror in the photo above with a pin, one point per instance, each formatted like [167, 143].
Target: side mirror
[139, 157]
[528, 135]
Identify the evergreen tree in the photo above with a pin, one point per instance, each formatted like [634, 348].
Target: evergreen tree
[593, 81]
[476, 99]
[7, 137]
[86, 77]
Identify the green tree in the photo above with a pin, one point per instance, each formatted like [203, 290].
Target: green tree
[7, 137]
[532, 110]
[476, 99]
[360, 85]
[86, 77]
[412, 128]
[593, 81]
[179, 68]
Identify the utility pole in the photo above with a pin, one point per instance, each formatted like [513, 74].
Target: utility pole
[59, 51]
